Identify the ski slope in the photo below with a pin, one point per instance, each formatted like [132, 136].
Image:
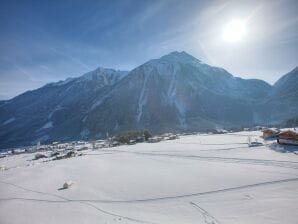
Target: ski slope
[206, 179]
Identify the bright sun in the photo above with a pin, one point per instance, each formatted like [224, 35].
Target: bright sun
[234, 31]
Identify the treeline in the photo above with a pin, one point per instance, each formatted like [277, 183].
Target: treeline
[132, 136]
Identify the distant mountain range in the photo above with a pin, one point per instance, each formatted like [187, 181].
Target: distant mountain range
[176, 93]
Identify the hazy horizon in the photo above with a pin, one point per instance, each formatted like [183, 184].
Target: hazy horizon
[51, 41]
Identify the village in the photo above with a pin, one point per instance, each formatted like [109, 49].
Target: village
[58, 150]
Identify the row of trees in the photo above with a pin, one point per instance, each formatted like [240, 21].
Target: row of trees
[128, 137]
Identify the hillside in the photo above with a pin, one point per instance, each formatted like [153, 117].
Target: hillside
[176, 92]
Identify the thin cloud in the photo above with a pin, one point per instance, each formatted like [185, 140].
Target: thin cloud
[77, 61]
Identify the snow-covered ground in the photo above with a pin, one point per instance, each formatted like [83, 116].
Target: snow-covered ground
[195, 179]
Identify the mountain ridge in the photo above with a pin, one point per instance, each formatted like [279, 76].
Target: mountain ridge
[175, 92]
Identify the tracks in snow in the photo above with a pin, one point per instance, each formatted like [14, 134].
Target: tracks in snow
[263, 162]
[165, 198]
[208, 218]
[65, 200]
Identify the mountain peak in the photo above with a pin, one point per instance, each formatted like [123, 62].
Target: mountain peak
[170, 63]
[180, 56]
[178, 53]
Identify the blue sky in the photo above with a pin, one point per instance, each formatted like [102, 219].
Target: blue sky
[46, 41]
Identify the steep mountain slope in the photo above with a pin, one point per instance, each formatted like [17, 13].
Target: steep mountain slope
[176, 92]
[54, 111]
[282, 103]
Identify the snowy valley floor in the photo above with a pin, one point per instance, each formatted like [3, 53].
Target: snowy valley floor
[195, 179]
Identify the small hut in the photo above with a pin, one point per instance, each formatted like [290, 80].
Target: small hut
[288, 137]
[270, 133]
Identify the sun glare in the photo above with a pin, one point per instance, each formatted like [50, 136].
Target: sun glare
[234, 31]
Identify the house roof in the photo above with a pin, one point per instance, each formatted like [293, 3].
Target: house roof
[288, 134]
[271, 130]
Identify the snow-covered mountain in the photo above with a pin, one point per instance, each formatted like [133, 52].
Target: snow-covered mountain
[282, 102]
[176, 92]
[54, 111]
